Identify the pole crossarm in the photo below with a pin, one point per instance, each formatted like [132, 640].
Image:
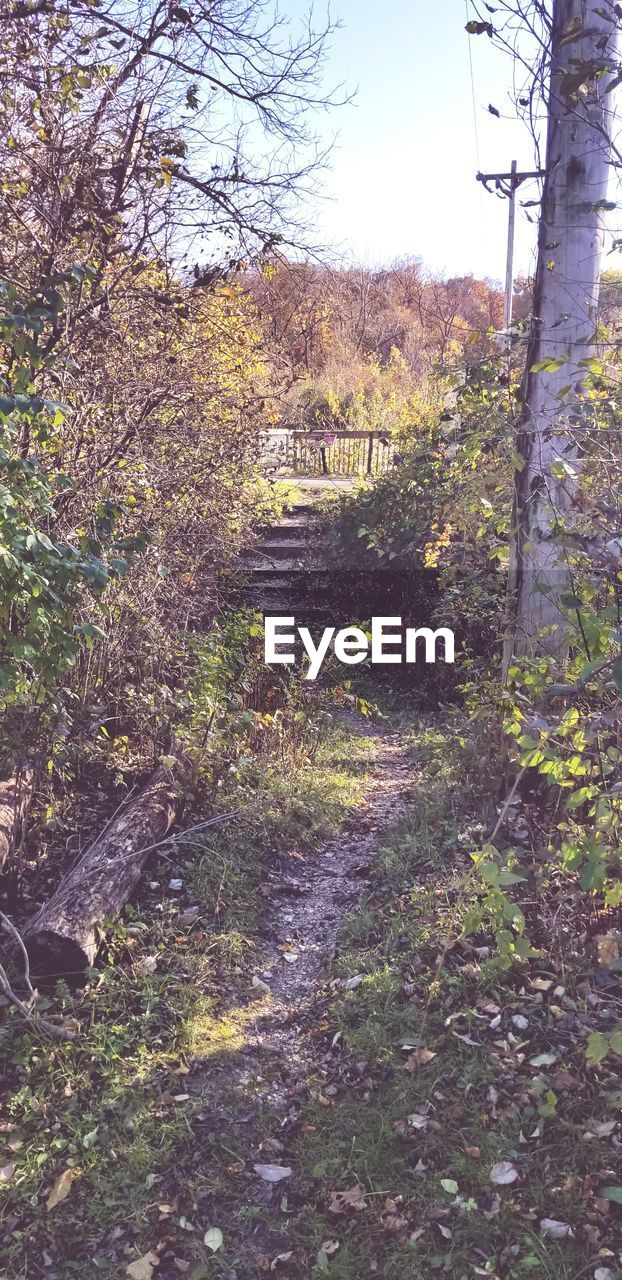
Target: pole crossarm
[513, 178]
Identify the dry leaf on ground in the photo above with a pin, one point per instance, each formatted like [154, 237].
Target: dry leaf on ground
[418, 1057]
[273, 1172]
[341, 1201]
[502, 1173]
[61, 1188]
[555, 1230]
[144, 1267]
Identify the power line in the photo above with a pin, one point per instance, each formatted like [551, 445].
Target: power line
[470, 49]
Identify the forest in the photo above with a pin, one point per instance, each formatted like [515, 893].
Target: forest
[304, 977]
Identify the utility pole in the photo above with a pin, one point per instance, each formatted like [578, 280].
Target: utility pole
[509, 265]
[562, 338]
[506, 184]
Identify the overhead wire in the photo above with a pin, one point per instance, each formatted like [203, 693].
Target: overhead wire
[472, 78]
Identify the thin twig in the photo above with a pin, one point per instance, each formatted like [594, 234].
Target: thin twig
[20, 942]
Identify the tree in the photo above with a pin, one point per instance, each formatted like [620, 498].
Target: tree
[582, 74]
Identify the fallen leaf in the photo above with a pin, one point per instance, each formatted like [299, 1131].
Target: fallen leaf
[329, 1247]
[61, 1188]
[260, 985]
[603, 1273]
[608, 949]
[341, 1201]
[273, 1172]
[520, 1021]
[450, 1186]
[603, 1128]
[417, 1122]
[543, 1060]
[555, 1230]
[445, 1232]
[190, 915]
[502, 1173]
[144, 1267]
[213, 1238]
[418, 1057]
[6, 1173]
[281, 1257]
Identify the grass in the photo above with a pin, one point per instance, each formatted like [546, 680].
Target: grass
[421, 1143]
[156, 1106]
[116, 1106]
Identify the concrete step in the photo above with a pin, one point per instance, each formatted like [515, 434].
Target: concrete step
[278, 546]
[292, 520]
[282, 533]
[289, 562]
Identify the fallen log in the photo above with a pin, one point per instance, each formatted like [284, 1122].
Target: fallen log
[15, 797]
[63, 938]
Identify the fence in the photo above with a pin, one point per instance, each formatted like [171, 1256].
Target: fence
[329, 453]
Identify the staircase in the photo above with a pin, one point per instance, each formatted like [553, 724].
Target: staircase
[285, 572]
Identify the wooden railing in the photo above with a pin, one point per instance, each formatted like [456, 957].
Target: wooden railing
[328, 453]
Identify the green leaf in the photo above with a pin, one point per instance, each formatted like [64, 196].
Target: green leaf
[450, 1186]
[597, 1047]
[615, 1041]
[579, 797]
[611, 1193]
[550, 364]
[510, 877]
[90, 630]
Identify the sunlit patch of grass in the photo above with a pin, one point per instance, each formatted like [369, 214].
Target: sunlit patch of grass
[210, 1032]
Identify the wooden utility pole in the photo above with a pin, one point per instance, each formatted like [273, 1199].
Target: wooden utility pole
[578, 155]
[507, 184]
[509, 262]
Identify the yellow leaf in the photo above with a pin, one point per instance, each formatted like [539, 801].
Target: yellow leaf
[608, 949]
[144, 1267]
[61, 1188]
[418, 1057]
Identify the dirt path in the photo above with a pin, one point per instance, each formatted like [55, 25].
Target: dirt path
[260, 1087]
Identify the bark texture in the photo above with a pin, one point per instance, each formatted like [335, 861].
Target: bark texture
[565, 318]
[64, 937]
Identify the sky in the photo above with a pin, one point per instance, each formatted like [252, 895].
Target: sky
[402, 172]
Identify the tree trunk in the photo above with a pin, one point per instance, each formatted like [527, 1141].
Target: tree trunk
[570, 245]
[64, 937]
[15, 797]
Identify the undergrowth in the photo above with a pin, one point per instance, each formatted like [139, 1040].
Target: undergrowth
[107, 1120]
